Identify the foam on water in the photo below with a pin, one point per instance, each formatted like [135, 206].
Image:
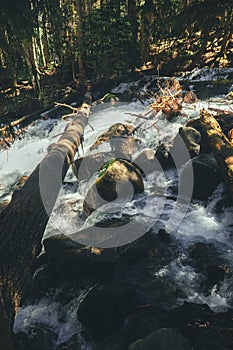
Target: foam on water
[62, 320]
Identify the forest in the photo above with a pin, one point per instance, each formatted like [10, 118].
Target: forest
[116, 175]
[48, 46]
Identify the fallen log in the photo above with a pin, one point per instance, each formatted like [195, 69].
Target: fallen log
[26, 119]
[221, 148]
[23, 221]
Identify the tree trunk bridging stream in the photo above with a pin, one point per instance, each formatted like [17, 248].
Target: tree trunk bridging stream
[23, 221]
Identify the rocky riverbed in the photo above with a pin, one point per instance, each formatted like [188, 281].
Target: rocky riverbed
[153, 269]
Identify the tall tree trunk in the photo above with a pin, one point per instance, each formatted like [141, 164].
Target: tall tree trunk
[45, 40]
[81, 66]
[132, 14]
[147, 17]
[32, 65]
[23, 221]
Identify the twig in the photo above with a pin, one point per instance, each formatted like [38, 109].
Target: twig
[74, 109]
[228, 104]
[91, 126]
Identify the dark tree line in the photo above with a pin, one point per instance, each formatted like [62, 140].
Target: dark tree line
[106, 38]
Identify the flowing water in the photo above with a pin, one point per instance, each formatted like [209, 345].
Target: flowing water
[199, 222]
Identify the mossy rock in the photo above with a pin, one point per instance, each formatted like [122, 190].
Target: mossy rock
[118, 179]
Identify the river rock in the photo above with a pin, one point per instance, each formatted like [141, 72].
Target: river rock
[162, 339]
[191, 138]
[225, 120]
[124, 146]
[69, 260]
[115, 130]
[146, 161]
[164, 157]
[118, 179]
[204, 143]
[39, 337]
[85, 167]
[207, 259]
[103, 311]
[206, 177]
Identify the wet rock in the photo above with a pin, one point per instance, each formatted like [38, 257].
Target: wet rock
[198, 324]
[161, 292]
[124, 147]
[206, 177]
[162, 339]
[207, 259]
[185, 146]
[142, 325]
[225, 120]
[204, 143]
[69, 260]
[143, 247]
[146, 161]
[85, 167]
[164, 236]
[103, 310]
[38, 338]
[115, 130]
[119, 180]
[164, 157]
[191, 138]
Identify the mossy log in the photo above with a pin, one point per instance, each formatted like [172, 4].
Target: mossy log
[23, 221]
[221, 148]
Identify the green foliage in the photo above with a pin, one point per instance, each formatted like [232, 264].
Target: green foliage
[108, 43]
[104, 38]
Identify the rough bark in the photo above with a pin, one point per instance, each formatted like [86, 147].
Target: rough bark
[23, 221]
[221, 148]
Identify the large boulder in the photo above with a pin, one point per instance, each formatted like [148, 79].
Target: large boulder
[162, 339]
[206, 177]
[103, 311]
[118, 180]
